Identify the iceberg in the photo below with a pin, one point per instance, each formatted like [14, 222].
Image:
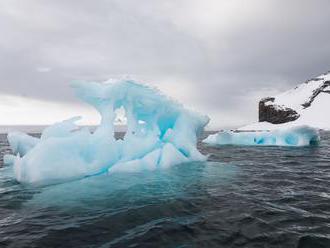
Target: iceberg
[160, 133]
[21, 143]
[293, 136]
[9, 159]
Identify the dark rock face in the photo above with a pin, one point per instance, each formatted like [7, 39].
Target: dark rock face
[316, 92]
[270, 112]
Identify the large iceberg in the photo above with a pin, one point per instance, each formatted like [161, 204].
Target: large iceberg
[293, 136]
[160, 133]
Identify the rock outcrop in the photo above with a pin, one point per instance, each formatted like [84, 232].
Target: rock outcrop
[275, 114]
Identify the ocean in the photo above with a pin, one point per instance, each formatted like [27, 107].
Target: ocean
[240, 197]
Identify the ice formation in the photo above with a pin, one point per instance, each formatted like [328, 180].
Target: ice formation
[293, 136]
[160, 133]
[21, 143]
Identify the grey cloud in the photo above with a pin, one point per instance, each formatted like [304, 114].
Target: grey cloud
[226, 61]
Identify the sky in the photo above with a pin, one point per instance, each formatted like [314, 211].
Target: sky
[217, 57]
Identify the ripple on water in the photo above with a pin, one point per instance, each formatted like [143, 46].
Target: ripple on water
[241, 197]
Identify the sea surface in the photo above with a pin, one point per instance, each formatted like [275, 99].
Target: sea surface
[240, 197]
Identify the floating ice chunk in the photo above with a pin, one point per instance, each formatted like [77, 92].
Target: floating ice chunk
[65, 158]
[160, 133]
[293, 136]
[20, 143]
[9, 159]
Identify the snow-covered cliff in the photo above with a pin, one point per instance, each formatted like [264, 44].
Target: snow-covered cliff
[306, 104]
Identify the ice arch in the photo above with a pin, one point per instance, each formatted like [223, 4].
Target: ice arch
[160, 133]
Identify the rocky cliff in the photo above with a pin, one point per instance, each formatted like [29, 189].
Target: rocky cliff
[276, 114]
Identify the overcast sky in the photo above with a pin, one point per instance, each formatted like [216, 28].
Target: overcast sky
[218, 57]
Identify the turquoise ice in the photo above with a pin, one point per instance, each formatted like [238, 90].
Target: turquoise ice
[160, 133]
[292, 136]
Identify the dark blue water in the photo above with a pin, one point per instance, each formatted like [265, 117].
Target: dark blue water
[241, 197]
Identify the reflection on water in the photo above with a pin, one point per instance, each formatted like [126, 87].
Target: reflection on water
[243, 196]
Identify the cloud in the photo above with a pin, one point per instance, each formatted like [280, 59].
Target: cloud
[40, 112]
[216, 56]
[43, 69]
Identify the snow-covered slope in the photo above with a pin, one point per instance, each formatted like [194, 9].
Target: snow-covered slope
[303, 96]
[306, 104]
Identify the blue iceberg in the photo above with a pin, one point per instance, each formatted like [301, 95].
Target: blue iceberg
[160, 133]
[292, 136]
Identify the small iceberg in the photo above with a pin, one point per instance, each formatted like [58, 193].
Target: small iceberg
[160, 133]
[293, 136]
